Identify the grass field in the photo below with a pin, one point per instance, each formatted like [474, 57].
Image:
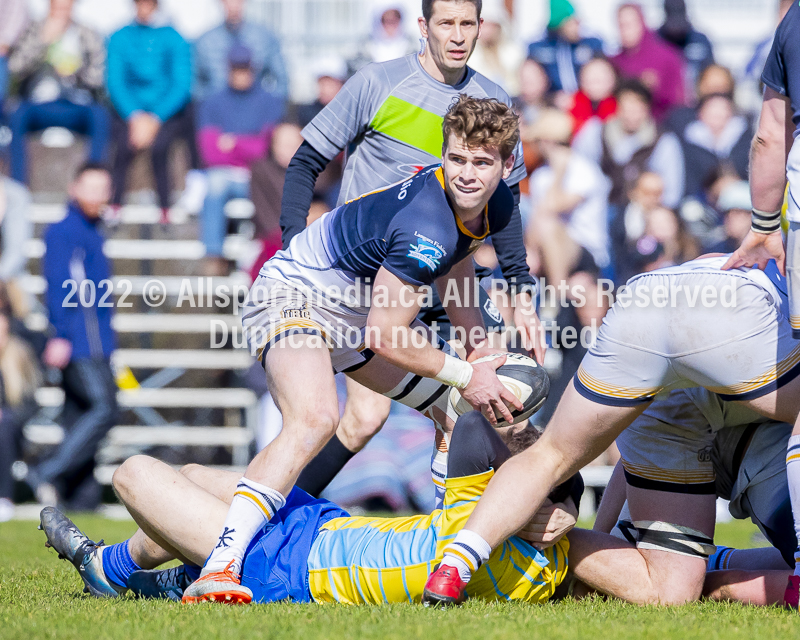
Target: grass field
[40, 597]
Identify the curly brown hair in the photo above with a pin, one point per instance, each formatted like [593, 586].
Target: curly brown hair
[482, 122]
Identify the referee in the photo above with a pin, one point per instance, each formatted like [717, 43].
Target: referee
[388, 119]
[774, 160]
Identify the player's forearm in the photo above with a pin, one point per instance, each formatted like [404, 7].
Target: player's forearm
[768, 170]
[613, 500]
[405, 348]
[298, 190]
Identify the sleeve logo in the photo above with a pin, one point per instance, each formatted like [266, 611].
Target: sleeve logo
[428, 255]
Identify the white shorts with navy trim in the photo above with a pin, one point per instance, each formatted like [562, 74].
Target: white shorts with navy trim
[740, 347]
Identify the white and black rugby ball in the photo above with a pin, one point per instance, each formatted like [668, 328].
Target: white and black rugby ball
[519, 374]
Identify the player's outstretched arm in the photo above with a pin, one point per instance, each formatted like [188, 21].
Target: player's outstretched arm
[768, 156]
[394, 307]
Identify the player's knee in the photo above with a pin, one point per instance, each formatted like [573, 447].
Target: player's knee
[130, 473]
[190, 470]
[310, 430]
[365, 417]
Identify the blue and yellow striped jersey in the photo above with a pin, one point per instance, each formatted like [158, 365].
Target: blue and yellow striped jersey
[365, 560]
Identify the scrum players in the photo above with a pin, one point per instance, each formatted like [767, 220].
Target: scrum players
[343, 298]
[674, 328]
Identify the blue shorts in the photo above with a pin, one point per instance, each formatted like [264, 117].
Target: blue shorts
[276, 563]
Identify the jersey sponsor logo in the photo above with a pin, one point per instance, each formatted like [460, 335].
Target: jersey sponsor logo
[704, 454]
[294, 312]
[404, 189]
[427, 254]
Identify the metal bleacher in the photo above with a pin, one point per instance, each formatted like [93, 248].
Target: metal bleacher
[180, 395]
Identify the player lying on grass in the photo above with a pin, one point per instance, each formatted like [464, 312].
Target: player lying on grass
[690, 326]
[312, 550]
[344, 297]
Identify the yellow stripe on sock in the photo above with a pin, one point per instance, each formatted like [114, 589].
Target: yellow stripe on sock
[259, 502]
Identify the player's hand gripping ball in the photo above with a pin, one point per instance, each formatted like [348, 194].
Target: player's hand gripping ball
[523, 377]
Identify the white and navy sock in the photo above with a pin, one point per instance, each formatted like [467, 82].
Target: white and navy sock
[252, 507]
[439, 469]
[466, 553]
[793, 478]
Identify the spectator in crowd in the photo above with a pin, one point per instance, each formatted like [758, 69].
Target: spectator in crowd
[695, 46]
[718, 138]
[149, 83]
[83, 341]
[234, 127]
[735, 205]
[388, 39]
[631, 143]
[15, 228]
[331, 74]
[564, 51]
[595, 97]
[533, 88]
[15, 19]
[629, 224]
[211, 54]
[19, 379]
[61, 68]
[569, 203]
[267, 188]
[531, 102]
[714, 79]
[649, 59]
[496, 55]
[666, 227]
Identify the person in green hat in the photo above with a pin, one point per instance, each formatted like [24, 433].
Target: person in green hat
[563, 51]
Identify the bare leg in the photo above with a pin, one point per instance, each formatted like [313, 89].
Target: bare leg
[578, 432]
[174, 513]
[221, 484]
[364, 415]
[676, 578]
[301, 381]
[761, 588]
[612, 566]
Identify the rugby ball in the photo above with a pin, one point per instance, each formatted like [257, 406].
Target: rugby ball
[519, 374]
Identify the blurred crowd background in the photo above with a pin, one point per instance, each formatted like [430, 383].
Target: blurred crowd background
[636, 123]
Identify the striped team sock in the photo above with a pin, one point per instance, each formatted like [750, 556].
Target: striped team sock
[793, 478]
[439, 469]
[252, 507]
[466, 553]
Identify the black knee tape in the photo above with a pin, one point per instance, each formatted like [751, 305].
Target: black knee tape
[673, 538]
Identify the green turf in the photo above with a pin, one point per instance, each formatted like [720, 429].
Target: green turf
[40, 598]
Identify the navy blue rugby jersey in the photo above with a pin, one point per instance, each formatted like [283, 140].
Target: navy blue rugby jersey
[409, 228]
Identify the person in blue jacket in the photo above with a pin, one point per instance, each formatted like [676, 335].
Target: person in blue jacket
[80, 304]
[149, 83]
